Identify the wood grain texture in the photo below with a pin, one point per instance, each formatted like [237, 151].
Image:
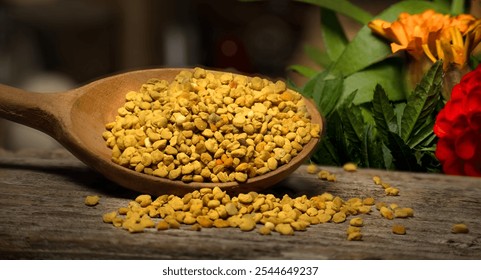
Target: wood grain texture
[43, 216]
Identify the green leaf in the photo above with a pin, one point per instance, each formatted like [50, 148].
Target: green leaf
[303, 70]
[398, 111]
[291, 84]
[325, 89]
[428, 160]
[443, 3]
[333, 36]
[366, 110]
[366, 48]
[387, 157]
[423, 137]
[342, 7]
[423, 101]
[382, 73]
[352, 122]
[326, 93]
[372, 155]
[403, 156]
[383, 113]
[349, 99]
[457, 7]
[319, 57]
[357, 56]
[474, 60]
[335, 131]
[326, 153]
[308, 88]
[354, 130]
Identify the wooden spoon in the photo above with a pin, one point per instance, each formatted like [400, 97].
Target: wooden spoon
[77, 118]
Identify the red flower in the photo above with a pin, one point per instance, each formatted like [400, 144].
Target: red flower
[458, 127]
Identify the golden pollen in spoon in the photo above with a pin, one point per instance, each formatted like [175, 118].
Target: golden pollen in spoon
[207, 126]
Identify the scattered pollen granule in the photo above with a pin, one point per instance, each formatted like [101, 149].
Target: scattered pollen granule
[206, 208]
[459, 228]
[398, 229]
[311, 168]
[349, 167]
[265, 214]
[92, 200]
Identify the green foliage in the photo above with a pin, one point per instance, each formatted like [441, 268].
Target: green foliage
[319, 57]
[372, 149]
[343, 7]
[457, 7]
[303, 70]
[326, 91]
[398, 136]
[422, 103]
[384, 114]
[332, 34]
[444, 3]
[403, 156]
[370, 118]
[382, 73]
[474, 60]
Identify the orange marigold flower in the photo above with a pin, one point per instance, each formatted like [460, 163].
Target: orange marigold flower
[434, 35]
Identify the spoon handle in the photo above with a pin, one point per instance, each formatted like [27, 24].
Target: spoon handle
[35, 110]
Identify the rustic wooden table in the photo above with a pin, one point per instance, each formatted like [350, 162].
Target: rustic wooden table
[43, 216]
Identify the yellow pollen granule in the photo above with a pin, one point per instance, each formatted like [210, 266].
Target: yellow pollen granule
[92, 200]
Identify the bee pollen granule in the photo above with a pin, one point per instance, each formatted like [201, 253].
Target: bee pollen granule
[459, 228]
[92, 200]
[398, 229]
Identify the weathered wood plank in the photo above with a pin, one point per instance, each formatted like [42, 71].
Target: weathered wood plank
[43, 217]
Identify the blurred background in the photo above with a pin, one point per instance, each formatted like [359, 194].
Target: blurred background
[56, 45]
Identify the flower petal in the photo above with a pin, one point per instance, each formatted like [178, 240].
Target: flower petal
[396, 47]
[454, 109]
[453, 167]
[437, 36]
[473, 100]
[472, 168]
[377, 26]
[445, 150]
[457, 92]
[465, 145]
[398, 32]
[474, 120]
[442, 126]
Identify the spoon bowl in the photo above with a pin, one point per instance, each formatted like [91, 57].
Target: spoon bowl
[77, 118]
